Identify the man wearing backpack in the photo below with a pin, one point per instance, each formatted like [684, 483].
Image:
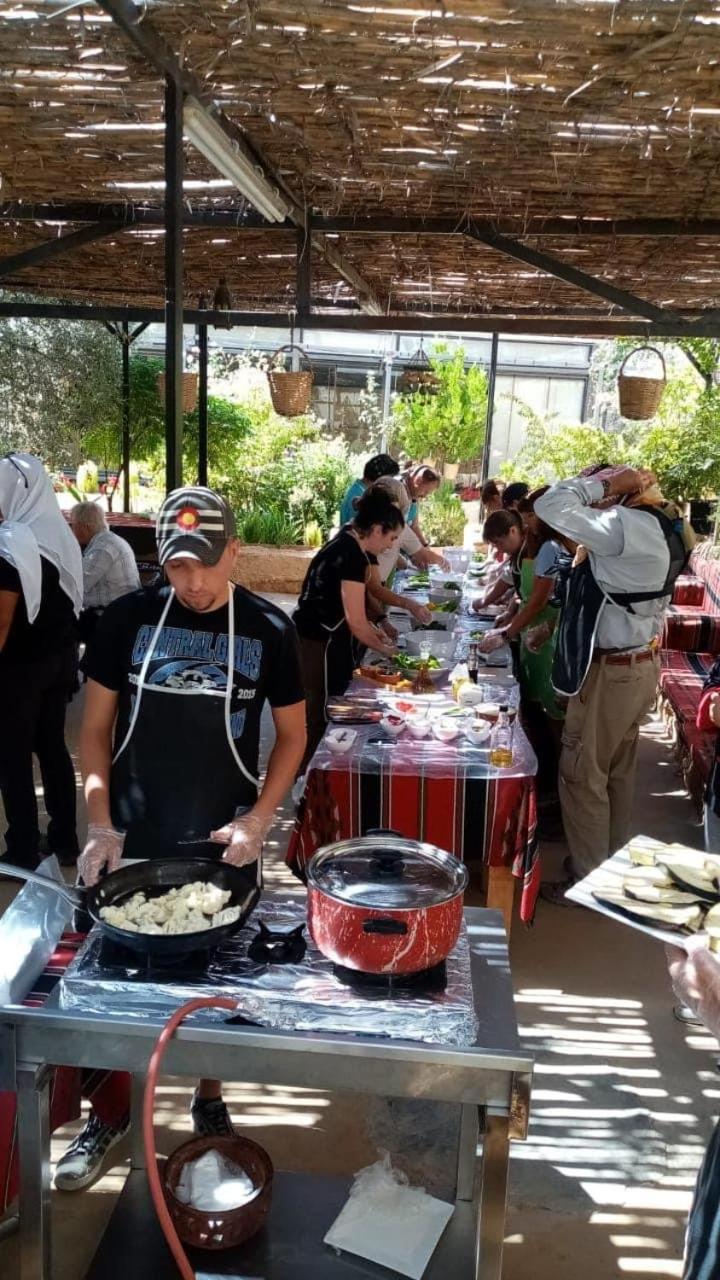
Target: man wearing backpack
[632, 545]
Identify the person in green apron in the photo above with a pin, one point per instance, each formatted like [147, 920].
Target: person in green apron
[178, 676]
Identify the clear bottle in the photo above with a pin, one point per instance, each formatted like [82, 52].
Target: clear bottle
[501, 741]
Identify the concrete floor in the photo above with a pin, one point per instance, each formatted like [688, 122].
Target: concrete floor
[623, 1103]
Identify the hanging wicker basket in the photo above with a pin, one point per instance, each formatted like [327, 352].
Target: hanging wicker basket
[189, 390]
[290, 390]
[639, 396]
[418, 376]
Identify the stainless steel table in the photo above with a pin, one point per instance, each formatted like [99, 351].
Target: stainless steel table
[490, 1081]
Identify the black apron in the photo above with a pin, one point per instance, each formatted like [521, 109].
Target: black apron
[177, 775]
[582, 604]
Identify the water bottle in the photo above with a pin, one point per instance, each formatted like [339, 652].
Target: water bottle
[501, 741]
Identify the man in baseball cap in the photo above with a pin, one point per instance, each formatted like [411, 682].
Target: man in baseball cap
[178, 676]
[194, 522]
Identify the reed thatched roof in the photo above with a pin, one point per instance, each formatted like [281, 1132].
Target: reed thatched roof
[506, 111]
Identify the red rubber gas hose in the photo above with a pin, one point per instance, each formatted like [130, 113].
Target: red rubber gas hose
[156, 1188]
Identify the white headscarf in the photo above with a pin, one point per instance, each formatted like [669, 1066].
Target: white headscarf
[33, 526]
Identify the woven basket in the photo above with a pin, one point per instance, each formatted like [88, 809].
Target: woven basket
[290, 391]
[639, 397]
[224, 1230]
[189, 390]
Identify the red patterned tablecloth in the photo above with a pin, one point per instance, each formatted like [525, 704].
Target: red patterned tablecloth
[482, 820]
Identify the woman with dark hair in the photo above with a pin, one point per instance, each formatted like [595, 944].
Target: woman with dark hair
[504, 531]
[381, 464]
[513, 494]
[331, 617]
[490, 498]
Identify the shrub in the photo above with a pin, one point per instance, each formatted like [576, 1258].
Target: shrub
[442, 518]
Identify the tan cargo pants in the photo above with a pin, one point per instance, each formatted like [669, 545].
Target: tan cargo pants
[598, 758]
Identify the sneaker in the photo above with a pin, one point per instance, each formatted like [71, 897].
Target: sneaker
[84, 1158]
[554, 891]
[210, 1118]
[683, 1013]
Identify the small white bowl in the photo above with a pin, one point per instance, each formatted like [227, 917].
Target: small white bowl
[478, 734]
[418, 728]
[446, 730]
[340, 740]
[393, 723]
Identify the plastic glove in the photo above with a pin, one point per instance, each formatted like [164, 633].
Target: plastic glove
[103, 850]
[244, 837]
[535, 637]
[421, 614]
[492, 640]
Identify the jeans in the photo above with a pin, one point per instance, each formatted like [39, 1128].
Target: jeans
[33, 700]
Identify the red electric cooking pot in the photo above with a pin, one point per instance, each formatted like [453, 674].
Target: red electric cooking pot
[385, 905]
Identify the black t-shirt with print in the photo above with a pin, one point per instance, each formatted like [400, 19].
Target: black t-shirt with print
[191, 654]
[320, 607]
[54, 628]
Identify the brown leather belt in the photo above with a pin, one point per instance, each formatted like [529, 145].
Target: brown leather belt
[615, 659]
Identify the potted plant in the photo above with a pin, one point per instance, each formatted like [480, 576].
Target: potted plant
[448, 425]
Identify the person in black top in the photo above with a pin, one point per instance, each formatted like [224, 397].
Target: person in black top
[331, 616]
[177, 679]
[40, 598]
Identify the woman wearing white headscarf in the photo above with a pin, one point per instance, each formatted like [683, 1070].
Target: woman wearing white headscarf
[41, 591]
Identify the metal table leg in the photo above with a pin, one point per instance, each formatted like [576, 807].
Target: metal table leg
[137, 1148]
[467, 1153]
[493, 1197]
[33, 1112]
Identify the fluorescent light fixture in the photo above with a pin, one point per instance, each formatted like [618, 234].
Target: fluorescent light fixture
[210, 139]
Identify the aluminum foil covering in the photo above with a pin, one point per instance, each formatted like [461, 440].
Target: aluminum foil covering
[292, 997]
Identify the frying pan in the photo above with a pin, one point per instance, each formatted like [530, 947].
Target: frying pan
[154, 878]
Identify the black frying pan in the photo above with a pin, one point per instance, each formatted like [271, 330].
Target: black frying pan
[154, 878]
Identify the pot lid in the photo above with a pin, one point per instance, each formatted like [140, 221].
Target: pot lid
[387, 872]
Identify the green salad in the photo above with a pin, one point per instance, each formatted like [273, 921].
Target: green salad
[408, 662]
[451, 586]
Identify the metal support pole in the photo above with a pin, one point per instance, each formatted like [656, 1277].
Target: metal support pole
[33, 1113]
[490, 409]
[125, 343]
[387, 388]
[173, 284]
[493, 1199]
[202, 336]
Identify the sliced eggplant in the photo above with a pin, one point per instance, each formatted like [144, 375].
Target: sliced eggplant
[712, 920]
[642, 856]
[657, 876]
[690, 875]
[685, 918]
[653, 893]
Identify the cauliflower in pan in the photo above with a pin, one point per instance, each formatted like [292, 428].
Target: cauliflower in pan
[190, 908]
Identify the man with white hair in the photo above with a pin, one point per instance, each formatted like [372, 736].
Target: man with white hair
[109, 568]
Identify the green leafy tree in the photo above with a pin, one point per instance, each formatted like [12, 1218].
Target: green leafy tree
[553, 449]
[59, 382]
[448, 425]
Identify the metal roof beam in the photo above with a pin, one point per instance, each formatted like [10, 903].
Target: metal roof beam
[627, 302]
[402, 322]
[53, 248]
[247, 219]
[157, 52]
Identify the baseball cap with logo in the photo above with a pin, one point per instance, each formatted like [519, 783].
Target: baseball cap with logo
[194, 522]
